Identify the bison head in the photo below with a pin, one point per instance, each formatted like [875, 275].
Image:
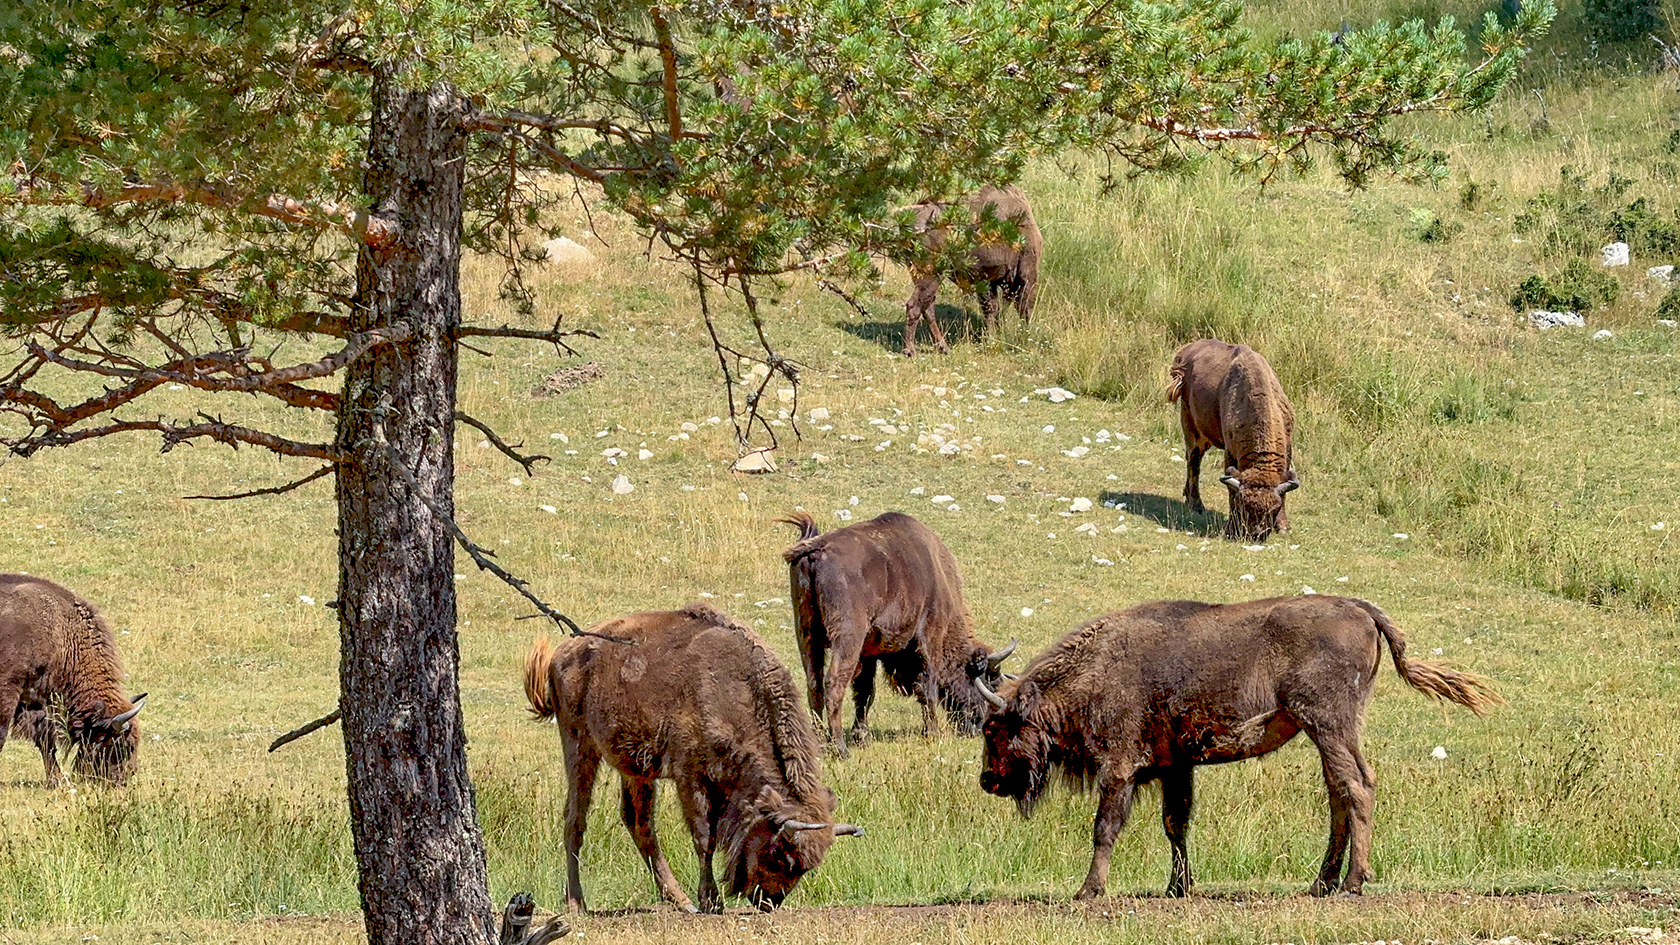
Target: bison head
[1256, 504]
[777, 847]
[964, 704]
[107, 745]
[1015, 746]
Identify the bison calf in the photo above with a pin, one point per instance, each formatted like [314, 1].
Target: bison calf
[694, 697]
[1229, 398]
[59, 672]
[994, 266]
[1149, 693]
[886, 593]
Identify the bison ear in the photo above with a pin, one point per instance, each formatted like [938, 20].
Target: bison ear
[770, 802]
[1026, 698]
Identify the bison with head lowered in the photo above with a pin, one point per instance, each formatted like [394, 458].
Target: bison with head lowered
[1150, 693]
[696, 698]
[59, 673]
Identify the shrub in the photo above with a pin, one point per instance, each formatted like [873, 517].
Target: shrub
[1578, 287]
[1618, 21]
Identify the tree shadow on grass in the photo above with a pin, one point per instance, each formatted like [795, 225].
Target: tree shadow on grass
[1170, 513]
[961, 324]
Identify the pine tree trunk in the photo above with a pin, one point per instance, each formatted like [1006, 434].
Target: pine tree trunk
[419, 850]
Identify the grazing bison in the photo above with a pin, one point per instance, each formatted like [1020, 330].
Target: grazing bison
[993, 266]
[1148, 694]
[697, 698]
[885, 592]
[1229, 398]
[59, 675]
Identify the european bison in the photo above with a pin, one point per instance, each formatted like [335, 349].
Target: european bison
[1149, 693]
[885, 592]
[993, 266]
[696, 698]
[1229, 398]
[58, 667]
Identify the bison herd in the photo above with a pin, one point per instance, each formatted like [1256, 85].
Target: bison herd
[694, 697]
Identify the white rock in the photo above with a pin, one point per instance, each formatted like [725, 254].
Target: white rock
[515, 481]
[1603, 334]
[1050, 428]
[621, 485]
[714, 421]
[690, 427]
[1246, 577]
[1440, 752]
[818, 458]
[818, 414]
[1668, 322]
[741, 495]
[1080, 504]
[918, 491]
[1400, 536]
[1659, 526]
[1101, 562]
[853, 501]
[1307, 590]
[756, 461]
[559, 436]
[1543, 320]
[785, 395]
[942, 499]
[995, 498]
[549, 509]
[1078, 452]
[1616, 254]
[612, 451]
[1056, 394]
[844, 515]
[953, 507]
[563, 250]
[1663, 274]
[644, 454]
[1026, 611]
[1091, 528]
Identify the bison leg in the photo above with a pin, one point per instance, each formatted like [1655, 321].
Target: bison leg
[1176, 797]
[637, 808]
[1113, 807]
[990, 303]
[1351, 790]
[44, 732]
[921, 305]
[863, 696]
[927, 692]
[581, 767]
[846, 650]
[697, 809]
[1193, 453]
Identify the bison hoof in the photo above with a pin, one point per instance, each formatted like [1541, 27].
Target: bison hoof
[1320, 888]
[1087, 892]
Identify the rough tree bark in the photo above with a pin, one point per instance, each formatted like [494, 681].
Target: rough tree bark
[418, 845]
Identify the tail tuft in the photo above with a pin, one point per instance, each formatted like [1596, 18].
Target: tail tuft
[538, 690]
[807, 526]
[1435, 680]
[1175, 382]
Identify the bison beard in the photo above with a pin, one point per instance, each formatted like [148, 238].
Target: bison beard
[696, 698]
[59, 676]
[1150, 693]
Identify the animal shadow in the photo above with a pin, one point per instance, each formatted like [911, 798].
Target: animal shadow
[1170, 513]
[961, 323]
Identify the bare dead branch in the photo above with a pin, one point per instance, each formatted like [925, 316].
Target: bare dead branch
[276, 490]
[529, 462]
[851, 300]
[553, 336]
[304, 729]
[173, 436]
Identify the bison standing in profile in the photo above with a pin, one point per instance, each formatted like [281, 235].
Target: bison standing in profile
[1229, 398]
[993, 267]
[694, 697]
[886, 593]
[1149, 693]
[59, 672]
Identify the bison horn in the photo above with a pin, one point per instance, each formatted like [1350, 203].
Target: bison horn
[120, 722]
[1010, 676]
[992, 697]
[801, 825]
[848, 830]
[1230, 478]
[996, 658]
[1284, 488]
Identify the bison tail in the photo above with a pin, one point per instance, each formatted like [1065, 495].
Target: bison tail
[807, 526]
[539, 689]
[1175, 382]
[1438, 681]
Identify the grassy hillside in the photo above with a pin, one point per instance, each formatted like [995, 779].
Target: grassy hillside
[1507, 495]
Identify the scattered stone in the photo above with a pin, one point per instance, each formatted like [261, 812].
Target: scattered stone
[1056, 394]
[1603, 334]
[1026, 611]
[785, 395]
[622, 486]
[942, 499]
[818, 414]
[549, 509]
[1668, 322]
[1307, 590]
[1663, 274]
[1078, 452]
[1440, 753]
[1246, 577]
[918, 491]
[844, 515]
[612, 451]
[1101, 562]
[1616, 254]
[690, 427]
[564, 250]
[1080, 504]
[755, 461]
[995, 498]
[644, 455]
[567, 378]
[818, 458]
[1543, 320]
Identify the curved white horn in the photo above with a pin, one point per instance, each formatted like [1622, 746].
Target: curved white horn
[1284, 488]
[118, 721]
[1230, 481]
[992, 697]
[801, 825]
[996, 657]
[848, 830]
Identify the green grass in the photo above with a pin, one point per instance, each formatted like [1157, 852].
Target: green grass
[1527, 471]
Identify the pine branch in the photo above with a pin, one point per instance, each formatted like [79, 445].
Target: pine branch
[173, 436]
[275, 490]
[529, 462]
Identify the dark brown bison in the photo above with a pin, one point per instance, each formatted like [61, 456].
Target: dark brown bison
[994, 266]
[59, 675]
[696, 698]
[1228, 397]
[886, 593]
[1148, 694]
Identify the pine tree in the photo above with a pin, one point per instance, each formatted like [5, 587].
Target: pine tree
[186, 183]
